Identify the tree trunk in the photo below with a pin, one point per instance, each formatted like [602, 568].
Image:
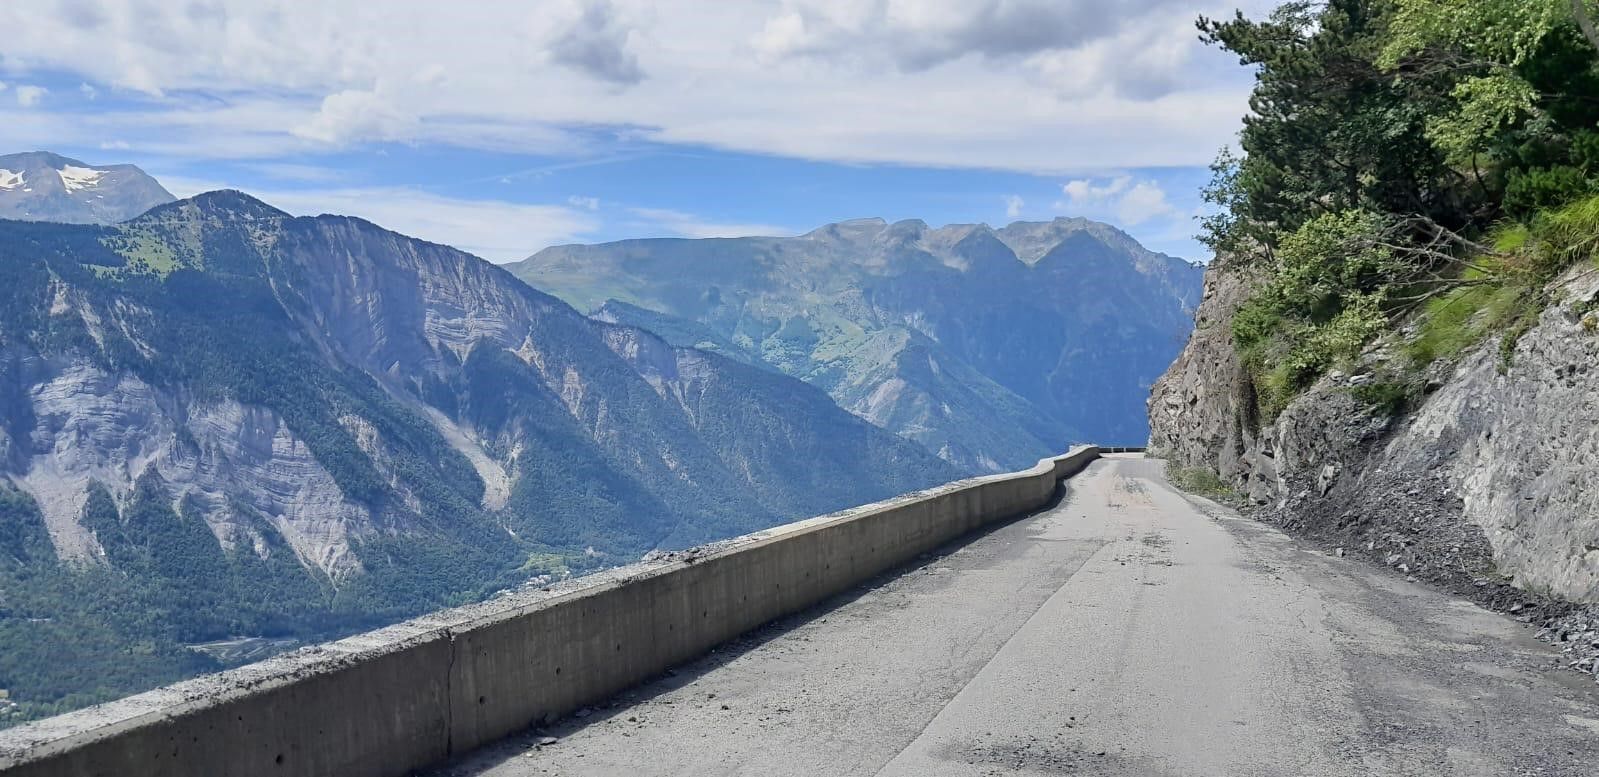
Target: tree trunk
[1579, 9]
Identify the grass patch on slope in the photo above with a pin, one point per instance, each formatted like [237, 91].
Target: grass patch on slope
[1460, 319]
[1203, 482]
[1505, 292]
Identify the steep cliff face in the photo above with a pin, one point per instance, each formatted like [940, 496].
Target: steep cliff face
[224, 459]
[1202, 411]
[1485, 483]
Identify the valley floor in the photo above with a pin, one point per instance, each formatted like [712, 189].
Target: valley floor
[1130, 630]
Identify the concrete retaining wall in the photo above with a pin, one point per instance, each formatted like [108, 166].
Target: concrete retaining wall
[387, 702]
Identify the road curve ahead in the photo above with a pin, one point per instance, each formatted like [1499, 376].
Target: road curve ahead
[1127, 631]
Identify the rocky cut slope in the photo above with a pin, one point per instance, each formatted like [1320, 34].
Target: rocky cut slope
[1484, 483]
[992, 347]
[217, 420]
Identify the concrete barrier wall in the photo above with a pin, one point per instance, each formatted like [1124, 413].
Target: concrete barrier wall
[387, 702]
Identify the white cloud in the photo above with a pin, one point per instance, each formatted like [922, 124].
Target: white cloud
[1130, 202]
[29, 95]
[1089, 191]
[496, 230]
[89, 92]
[1013, 207]
[689, 225]
[586, 203]
[1144, 202]
[1041, 86]
[356, 115]
[596, 43]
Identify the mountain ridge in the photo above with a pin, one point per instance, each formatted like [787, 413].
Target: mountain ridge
[880, 314]
[333, 425]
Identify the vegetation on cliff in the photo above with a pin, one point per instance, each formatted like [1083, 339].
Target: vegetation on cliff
[1434, 161]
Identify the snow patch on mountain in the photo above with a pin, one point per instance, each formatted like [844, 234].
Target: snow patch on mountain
[78, 178]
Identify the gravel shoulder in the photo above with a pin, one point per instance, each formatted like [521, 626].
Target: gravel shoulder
[1129, 630]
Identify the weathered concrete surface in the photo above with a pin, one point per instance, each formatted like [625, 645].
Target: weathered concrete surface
[394, 700]
[1127, 631]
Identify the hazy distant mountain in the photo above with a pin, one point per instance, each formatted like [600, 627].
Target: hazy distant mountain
[218, 420]
[41, 186]
[991, 347]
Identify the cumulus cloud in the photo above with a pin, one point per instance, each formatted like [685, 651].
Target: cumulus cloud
[29, 95]
[596, 43]
[1138, 61]
[1039, 86]
[1146, 201]
[1090, 191]
[356, 115]
[1013, 206]
[1130, 202]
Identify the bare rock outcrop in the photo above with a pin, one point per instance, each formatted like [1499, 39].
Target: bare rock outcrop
[1486, 484]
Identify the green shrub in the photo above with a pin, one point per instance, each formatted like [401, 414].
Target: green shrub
[1453, 322]
[1540, 188]
[1201, 481]
[1562, 238]
[1505, 292]
[1321, 304]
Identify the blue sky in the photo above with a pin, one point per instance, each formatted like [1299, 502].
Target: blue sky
[502, 128]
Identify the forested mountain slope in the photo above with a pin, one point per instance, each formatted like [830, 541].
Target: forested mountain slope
[217, 420]
[991, 347]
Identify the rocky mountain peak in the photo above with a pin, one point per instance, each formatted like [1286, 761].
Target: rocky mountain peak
[229, 205]
[44, 186]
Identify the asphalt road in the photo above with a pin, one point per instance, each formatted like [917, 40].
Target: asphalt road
[1130, 630]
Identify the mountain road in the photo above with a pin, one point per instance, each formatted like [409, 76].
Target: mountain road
[1129, 629]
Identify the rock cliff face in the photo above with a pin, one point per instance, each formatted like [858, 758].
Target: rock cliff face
[1487, 483]
[224, 459]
